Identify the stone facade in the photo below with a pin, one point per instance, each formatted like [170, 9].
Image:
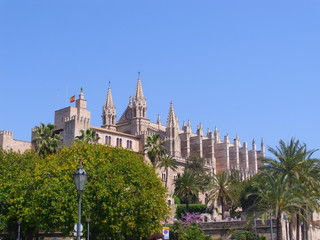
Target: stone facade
[7, 142]
[133, 127]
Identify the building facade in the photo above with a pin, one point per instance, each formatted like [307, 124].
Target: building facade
[133, 127]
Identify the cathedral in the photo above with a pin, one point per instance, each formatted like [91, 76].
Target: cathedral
[133, 128]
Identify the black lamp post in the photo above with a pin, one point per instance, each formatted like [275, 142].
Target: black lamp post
[88, 228]
[19, 230]
[80, 178]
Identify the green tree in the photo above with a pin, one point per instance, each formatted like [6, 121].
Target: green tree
[125, 199]
[155, 149]
[294, 161]
[224, 191]
[197, 165]
[88, 135]
[186, 187]
[276, 196]
[46, 140]
[167, 162]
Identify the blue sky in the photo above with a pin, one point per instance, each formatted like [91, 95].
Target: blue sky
[247, 67]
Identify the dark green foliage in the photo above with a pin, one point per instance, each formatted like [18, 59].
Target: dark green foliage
[46, 140]
[193, 208]
[247, 200]
[88, 136]
[123, 196]
[180, 231]
[186, 187]
[245, 235]
[176, 200]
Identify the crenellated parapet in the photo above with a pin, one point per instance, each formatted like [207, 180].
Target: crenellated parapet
[6, 133]
[8, 143]
[77, 119]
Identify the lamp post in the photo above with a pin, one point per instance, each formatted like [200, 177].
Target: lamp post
[19, 229]
[80, 178]
[88, 228]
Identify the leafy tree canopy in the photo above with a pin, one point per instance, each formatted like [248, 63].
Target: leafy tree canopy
[123, 196]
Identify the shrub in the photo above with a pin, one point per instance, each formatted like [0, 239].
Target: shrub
[193, 208]
[243, 235]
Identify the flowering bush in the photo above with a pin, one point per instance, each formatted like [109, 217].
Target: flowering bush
[189, 218]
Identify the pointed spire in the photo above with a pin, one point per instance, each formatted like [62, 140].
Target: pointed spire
[172, 119]
[109, 99]
[200, 130]
[139, 96]
[237, 140]
[216, 135]
[253, 144]
[109, 112]
[226, 138]
[208, 132]
[159, 120]
[130, 101]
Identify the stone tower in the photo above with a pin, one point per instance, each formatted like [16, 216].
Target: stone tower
[70, 120]
[139, 122]
[173, 142]
[109, 112]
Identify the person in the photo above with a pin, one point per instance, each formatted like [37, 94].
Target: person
[157, 236]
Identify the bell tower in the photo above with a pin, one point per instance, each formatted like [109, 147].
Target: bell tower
[109, 112]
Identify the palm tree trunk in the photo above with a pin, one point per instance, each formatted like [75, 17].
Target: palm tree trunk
[298, 228]
[279, 226]
[305, 224]
[166, 183]
[290, 230]
[187, 202]
[222, 208]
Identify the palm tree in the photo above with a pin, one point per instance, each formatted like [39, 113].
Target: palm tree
[223, 190]
[167, 162]
[293, 160]
[155, 149]
[88, 135]
[186, 187]
[275, 196]
[46, 141]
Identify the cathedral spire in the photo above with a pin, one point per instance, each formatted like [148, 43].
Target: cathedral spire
[172, 119]
[109, 112]
[200, 130]
[139, 96]
[172, 134]
[109, 99]
[216, 135]
[139, 102]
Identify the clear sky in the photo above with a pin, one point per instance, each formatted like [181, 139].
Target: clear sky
[247, 67]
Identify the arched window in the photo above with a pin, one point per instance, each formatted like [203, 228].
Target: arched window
[163, 176]
[108, 140]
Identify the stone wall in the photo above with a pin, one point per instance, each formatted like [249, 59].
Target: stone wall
[7, 142]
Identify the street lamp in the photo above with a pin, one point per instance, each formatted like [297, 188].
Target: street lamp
[19, 230]
[80, 178]
[88, 228]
